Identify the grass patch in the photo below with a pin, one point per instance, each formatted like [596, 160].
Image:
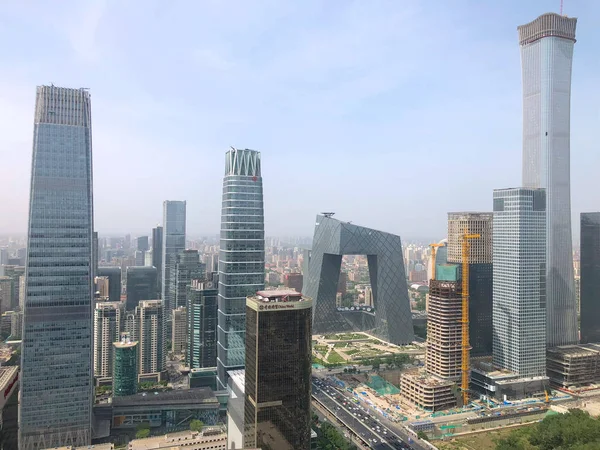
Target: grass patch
[351, 352]
[335, 358]
[345, 336]
[340, 345]
[320, 348]
[480, 441]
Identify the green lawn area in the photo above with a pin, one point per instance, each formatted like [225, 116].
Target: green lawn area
[335, 358]
[320, 348]
[351, 352]
[480, 441]
[345, 336]
[340, 345]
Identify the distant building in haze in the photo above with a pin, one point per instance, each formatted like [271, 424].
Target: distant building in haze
[142, 244]
[157, 249]
[179, 330]
[187, 268]
[278, 370]
[113, 274]
[294, 281]
[590, 277]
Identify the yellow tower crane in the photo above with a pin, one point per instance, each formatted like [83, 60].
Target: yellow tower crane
[466, 347]
[434, 248]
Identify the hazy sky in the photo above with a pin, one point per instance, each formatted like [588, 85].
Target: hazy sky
[390, 113]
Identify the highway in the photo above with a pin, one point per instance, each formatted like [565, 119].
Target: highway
[356, 418]
[359, 416]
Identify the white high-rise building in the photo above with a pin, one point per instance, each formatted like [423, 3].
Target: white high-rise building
[519, 301]
[546, 59]
[107, 326]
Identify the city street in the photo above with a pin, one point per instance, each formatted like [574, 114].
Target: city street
[357, 419]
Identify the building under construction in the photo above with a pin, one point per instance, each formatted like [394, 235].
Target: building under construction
[444, 329]
[428, 392]
[573, 367]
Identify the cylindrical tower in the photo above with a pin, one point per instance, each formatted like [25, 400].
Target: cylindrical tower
[125, 372]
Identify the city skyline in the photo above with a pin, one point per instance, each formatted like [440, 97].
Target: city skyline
[351, 116]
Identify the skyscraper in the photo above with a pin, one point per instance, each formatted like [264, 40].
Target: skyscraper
[546, 58]
[179, 330]
[519, 247]
[152, 349]
[142, 243]
[242, 245]
[141, 285]
[107, 327]
[157, 249]
[590, 277]
[113, 274]
[187, 268]
[173, 243]
[125, 372]
[480, 273]
[56, 363]
[278, 368]
[202, 325]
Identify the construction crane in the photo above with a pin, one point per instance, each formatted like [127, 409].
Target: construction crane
[434, 248]
[466, 347]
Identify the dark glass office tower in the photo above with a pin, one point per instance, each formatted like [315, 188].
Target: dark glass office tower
[590, 277]
[278, 370]
[241, 254]
[173, 244]
[56, 364]
[187, 268]
[141, 285]
[202, 324]
[157, 249]
[113, 274]
[142, 244]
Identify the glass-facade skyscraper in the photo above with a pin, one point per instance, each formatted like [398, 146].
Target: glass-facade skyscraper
[519, 253]
[546, 59]
[173, 243]
[241, 255]
[56, 365]
[590, 277]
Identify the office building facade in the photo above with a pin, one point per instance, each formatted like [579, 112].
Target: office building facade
[107, 328]
[333, 239]
[157, 249]
[56, 361]
[152, 349]
[187, 268]
[519, 248]
[294, 281]
[142, 244]
[202, 321]
[113, 273]
[590, 277]
[125, 371]
[174, 214]
[546, 59]
[481, 273]
[278, 370]
[141, 285]
[241, 254]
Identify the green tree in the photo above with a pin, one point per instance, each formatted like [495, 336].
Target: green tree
[141, 434]
[422, 435]
[196, 425]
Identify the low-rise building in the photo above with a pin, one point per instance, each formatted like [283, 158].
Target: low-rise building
[573, 366]
[429, 392]
[211, 438]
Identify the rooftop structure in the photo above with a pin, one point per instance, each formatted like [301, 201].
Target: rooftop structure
[213, 438]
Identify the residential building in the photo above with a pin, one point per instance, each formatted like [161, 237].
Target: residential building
[113, 273]
[590, 277]
[16, 325]
[56, 361]
[546, 58]
[202, 321]
[6, 294]
[173, 243]
[102, 288]
[141, 285]
[481, 273]
[519, 249]
[152, 350]
[278, 370]
[107, 327]
[179, 330]
[242, 245]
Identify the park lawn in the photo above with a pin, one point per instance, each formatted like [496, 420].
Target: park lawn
[351, 352]
[340, 344]
[335, 358]
[480, 441]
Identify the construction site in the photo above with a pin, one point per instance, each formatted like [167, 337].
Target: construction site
[574, 368]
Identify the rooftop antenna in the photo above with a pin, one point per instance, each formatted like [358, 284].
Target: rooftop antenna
[561, 7]
[328, 214]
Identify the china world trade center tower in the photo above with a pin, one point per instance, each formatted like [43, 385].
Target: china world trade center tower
[546, 60]
[56, 366]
